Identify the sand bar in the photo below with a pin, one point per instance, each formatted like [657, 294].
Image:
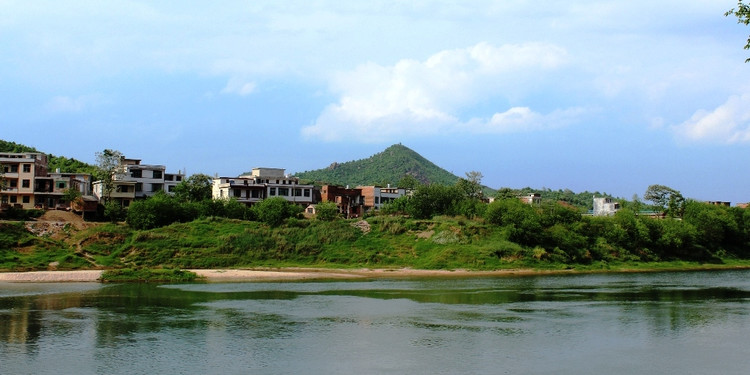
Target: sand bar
[51, 276]
[287, 274]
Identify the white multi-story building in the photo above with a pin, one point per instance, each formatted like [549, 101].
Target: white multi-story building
[605, 207]
[262, 183]
[134, 180]
[149, 179]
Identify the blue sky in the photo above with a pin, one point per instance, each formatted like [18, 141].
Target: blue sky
[608, 96]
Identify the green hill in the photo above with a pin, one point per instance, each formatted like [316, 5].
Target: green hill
[67, 165]
[386, 167]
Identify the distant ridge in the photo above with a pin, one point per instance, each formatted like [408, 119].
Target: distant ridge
[386, 167]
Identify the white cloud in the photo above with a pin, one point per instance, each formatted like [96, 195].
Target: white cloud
[425, 97]
[520, 119]
[239, 86]
[728, 123]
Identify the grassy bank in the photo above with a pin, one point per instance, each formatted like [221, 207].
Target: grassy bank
[381, 242]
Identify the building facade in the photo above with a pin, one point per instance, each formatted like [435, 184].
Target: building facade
[134, 180]
[350, 202]
[605, 207]
[28, 184]
[263, 183]
[375, 197]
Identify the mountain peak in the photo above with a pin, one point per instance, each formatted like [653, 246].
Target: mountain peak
[386, 167]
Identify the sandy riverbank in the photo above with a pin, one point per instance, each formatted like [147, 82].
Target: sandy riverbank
[290, 274]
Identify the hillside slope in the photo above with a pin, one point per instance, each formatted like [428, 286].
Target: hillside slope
[386, 167]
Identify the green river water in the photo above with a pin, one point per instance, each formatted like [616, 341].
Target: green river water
[646, 323]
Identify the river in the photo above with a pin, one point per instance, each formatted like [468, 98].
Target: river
[640, 323]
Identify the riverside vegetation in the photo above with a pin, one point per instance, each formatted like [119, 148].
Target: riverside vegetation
[439, 227]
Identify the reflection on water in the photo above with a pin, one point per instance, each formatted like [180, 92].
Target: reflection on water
[693, 322]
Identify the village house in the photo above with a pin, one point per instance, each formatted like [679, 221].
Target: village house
[262, 183]
[375, 196]
[349, 201]
[605, 207]
[533, 199]
[29, 185]
[134, 180]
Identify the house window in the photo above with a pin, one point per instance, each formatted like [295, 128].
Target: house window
[13, 184]
[178, 178]
[157, 174]
[256, 194]
[14, 168]
[26, 183]
[377, 200]
[307, 192]
[26, 199]
[136, 173]
[297, 192]
[171, 188]
[138, 187]
[272, 191]
[237, 193]
[284, 192]
[13, 199]
[61, 184]
[156, 187]
[26, 168]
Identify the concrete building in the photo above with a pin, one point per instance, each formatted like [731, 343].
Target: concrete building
[148, 178]
[719, 203]
[349, 201]
[605, 207]
[375, 197]
[263, 183]
[20, 172]
[532, 199]
[30, 185]
[134, 180]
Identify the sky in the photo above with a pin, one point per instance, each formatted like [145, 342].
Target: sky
[604, 96]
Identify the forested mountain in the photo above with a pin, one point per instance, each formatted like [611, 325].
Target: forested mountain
[386, 167]
[66, 165]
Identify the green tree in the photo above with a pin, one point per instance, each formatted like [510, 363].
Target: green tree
[274, 211]
[471, 186]
[326, 211]
[74, 197]
[669, 200]
[114, 211]
[196, 188]
[742, 12]
[108, 171]
[434, 199]
[506, 193]
[157, 211]
[408, 182]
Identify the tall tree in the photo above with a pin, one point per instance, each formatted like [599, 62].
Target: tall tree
[74, 197]
[669, 200]
[742, 12]
[108, 171]
[471, 186]
[196, 188]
